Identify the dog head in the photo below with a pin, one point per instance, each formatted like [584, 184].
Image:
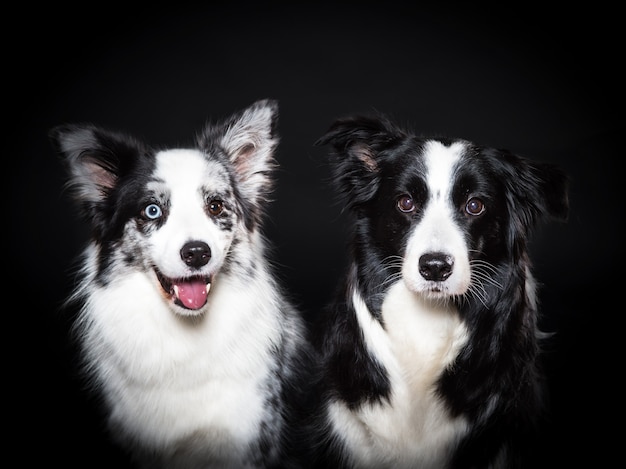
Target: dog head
[441, 214]
[173, 214]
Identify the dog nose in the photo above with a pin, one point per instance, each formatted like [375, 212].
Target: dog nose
[195, 254]
[436, 266]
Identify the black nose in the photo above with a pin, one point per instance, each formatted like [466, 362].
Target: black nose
[436, 266]
[195, 254]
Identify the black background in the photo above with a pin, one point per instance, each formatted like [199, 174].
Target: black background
[545, 84]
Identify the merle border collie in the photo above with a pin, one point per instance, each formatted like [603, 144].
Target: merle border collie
[184, 329]
[430, 353]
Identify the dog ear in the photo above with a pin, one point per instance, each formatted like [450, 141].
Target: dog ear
[535, 192]
[94, 158]
[358, 143]
[553, 183]
[249, 139]
[540, 190]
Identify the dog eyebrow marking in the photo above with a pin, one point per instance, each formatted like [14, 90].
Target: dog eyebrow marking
[440, 162]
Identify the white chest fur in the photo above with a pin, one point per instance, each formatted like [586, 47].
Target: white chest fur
[167, 377]
[419, 339]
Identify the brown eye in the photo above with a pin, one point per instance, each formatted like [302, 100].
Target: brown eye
[474, 206]
[215, 207]
[405, 204]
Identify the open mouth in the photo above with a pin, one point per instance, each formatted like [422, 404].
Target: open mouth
[189, 292]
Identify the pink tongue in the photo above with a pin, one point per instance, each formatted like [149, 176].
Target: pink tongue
[192, 294]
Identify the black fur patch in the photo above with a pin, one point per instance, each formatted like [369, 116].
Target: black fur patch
[495, 381]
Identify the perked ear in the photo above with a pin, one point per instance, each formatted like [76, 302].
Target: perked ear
[95, 158]
[249, 139]
[358, 143]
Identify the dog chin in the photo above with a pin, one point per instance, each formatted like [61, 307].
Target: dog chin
[437, 291]
[177, 307]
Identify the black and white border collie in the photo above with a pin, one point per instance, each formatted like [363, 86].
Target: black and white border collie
[430, 352]
[184, 329]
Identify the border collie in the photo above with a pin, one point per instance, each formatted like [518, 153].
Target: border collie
[430, 352]
[184, 329]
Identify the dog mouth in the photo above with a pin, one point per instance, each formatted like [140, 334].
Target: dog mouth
[189, 292]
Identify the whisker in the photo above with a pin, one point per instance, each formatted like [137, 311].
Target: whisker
[482, 270]
[392, 278]
[478, 291]
[392, 262]
[482, 274]
[483, 263]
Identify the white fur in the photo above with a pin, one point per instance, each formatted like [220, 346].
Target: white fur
[168, 373]
[181, 174]
[437, 230]
[420, 338]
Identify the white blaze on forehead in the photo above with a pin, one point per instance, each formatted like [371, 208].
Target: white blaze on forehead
[184, 177]
[187, 171]
[437, 231]
[437, 227]
[440, 162]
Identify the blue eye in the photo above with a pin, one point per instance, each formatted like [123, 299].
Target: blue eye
[152, 211]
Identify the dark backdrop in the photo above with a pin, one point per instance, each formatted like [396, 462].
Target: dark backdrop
[546, 85]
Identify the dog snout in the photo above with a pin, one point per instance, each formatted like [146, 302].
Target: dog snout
[195, 254]
[436, 266]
